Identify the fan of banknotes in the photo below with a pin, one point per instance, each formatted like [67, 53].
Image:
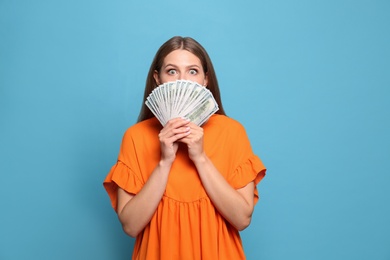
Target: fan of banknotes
[182, 98]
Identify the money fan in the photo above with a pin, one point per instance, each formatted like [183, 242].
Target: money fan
[182, 98]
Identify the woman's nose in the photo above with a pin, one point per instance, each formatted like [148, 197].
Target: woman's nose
[183, 76]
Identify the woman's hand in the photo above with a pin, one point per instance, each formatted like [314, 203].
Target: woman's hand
[194, 142]
[236, 206]
[174, 130]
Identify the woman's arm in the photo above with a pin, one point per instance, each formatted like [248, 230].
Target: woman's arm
[236, 206]
[135, 211]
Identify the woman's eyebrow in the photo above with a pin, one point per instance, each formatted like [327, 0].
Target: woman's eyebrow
[194, 65]
[188, 66]
[169, 64]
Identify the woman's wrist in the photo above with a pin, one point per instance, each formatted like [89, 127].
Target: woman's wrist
[165, 164]
[200, 159]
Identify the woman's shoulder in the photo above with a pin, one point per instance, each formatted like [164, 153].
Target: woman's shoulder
[143, 128]
[225, 122]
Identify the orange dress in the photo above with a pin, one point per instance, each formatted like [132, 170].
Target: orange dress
[186, 225]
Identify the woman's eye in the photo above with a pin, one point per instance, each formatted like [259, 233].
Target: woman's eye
[193, 72]
[172, 72]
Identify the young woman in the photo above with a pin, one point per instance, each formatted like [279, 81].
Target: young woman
[185, 191]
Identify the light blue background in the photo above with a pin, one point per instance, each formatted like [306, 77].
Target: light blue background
[308, 79]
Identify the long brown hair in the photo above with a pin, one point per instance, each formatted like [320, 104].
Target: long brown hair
[180, 43]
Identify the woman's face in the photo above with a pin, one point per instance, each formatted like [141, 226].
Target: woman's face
[181, 64]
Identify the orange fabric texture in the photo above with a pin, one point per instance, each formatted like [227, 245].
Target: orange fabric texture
[186, 225]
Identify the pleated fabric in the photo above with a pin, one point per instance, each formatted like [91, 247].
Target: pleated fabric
[186, 224]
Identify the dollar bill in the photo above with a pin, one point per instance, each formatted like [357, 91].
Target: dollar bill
[182, 98]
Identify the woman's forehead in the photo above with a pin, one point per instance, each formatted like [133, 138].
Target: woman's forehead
[182, 58]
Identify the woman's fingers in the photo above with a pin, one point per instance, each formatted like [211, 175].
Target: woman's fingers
[195, 134]
[194, 141]
[181, 130]
[174, 130]
[174, 124]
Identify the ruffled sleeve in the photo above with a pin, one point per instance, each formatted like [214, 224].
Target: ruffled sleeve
[246, 165]
[121, 176]
[138, 155]
[252, 169]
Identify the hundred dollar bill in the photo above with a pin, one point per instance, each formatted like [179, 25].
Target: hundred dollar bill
[202, 113]
[181, 98]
